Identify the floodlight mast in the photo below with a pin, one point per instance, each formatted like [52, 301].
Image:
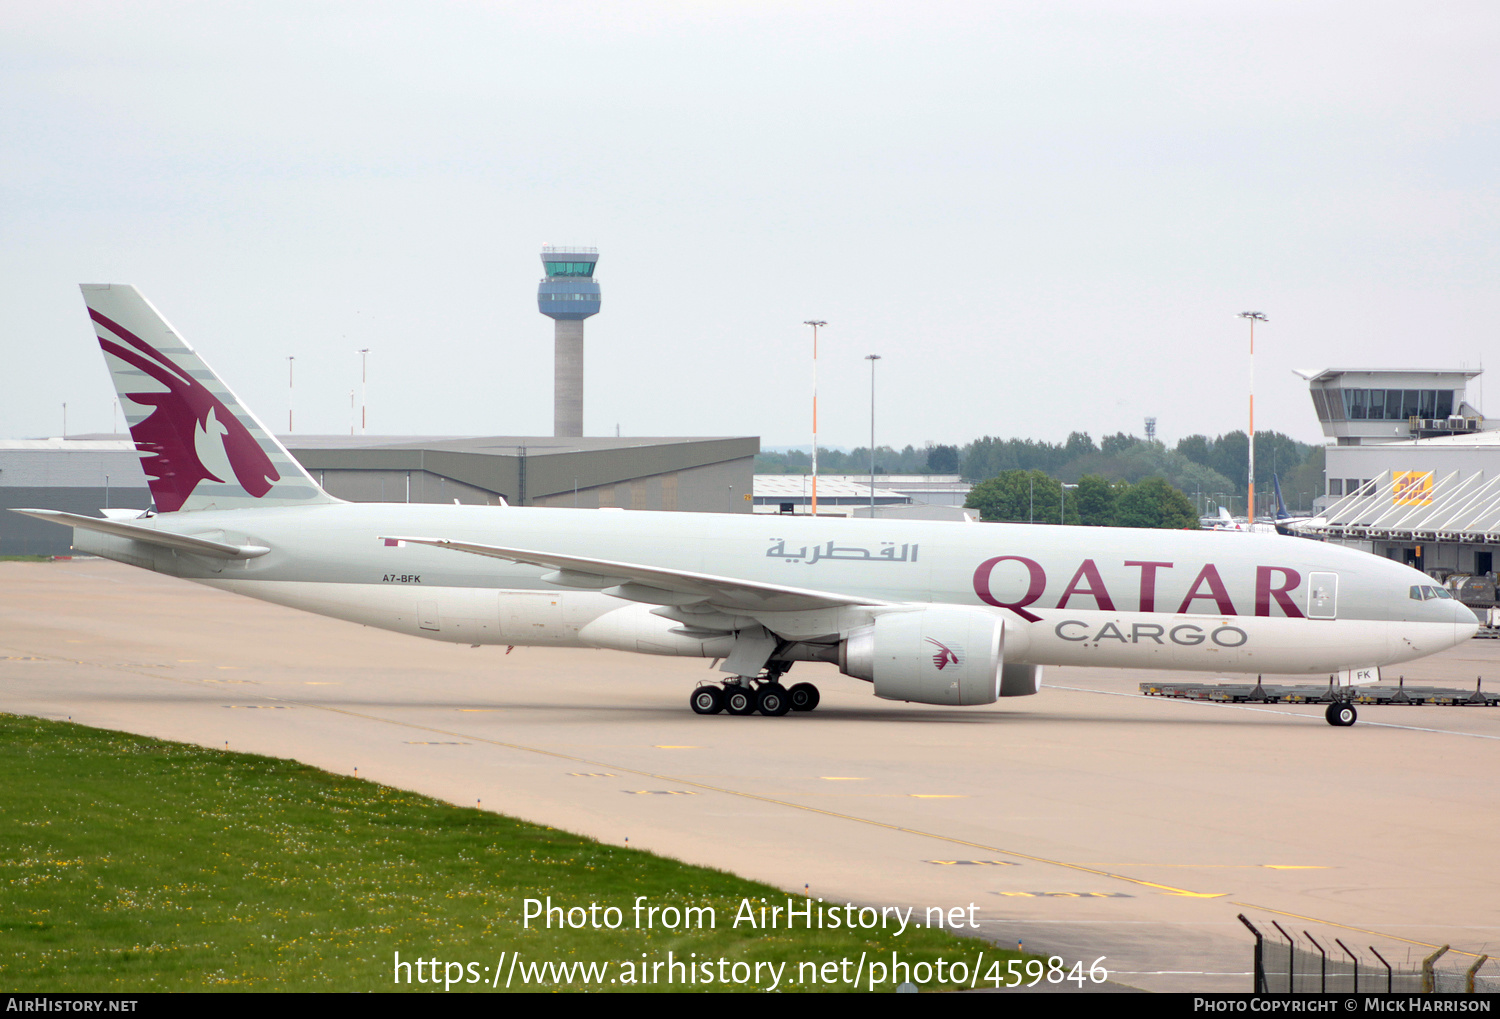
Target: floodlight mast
[364, 355]
[872, 358]
[1254, 317]
[815, 323]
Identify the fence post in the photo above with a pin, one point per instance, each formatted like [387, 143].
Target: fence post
[1354, 957]
[1323, 981]
[1390, 977]
[1291, 959]
[1428, 980]
[1260, 968]
[1469, 974]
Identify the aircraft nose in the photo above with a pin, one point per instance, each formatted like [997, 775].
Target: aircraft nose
[1466, 621]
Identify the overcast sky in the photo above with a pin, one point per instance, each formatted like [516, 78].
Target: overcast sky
[1043, 216]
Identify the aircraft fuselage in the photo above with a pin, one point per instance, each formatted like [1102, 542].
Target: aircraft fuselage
[1227, 602]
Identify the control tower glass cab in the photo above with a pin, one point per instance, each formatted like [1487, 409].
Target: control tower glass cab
[568, 295]
[569, 292]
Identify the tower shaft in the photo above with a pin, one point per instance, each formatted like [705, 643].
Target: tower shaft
[567, 385]
[568, 295]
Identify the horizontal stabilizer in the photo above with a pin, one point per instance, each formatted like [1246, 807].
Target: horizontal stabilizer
[646, 583]
[149, 535]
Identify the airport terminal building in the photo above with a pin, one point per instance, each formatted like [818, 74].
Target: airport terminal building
[1412, 469]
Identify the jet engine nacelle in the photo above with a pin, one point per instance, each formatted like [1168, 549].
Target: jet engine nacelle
[946, 654]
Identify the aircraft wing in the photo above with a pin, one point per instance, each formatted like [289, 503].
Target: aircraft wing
[149, 535]
[659, 586]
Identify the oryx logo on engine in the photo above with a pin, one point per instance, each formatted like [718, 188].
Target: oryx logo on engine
[946, 656]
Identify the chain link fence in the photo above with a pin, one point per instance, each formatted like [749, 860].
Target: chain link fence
[1285, 964]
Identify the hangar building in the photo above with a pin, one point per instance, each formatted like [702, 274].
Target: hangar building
[87, 473]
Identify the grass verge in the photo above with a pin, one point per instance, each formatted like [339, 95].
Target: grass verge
[133, 864]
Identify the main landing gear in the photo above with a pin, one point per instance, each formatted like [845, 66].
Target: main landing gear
[1341, 713]
[744, 696]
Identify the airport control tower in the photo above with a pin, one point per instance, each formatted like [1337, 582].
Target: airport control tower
[568, 295]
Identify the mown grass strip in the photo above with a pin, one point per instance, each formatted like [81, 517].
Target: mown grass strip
[133, 864]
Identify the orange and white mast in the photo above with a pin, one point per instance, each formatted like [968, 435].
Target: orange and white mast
[1254, 317]
[815, 324]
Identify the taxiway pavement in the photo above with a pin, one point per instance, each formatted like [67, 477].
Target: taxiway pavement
[1087, 821]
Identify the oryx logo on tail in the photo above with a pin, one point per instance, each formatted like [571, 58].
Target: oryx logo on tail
[201, 447]
[190, 435]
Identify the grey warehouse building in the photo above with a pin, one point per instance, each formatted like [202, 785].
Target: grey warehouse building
[85, 474]
[704, 474]
[77, 475]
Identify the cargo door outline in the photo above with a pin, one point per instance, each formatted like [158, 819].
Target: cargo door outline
[531, 617]
[1322, 595]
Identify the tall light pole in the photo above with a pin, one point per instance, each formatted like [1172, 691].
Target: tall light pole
[1062, 511]
[872, 358]
[364, 354]
[1254, 317]
[290, 392]
[815, 323]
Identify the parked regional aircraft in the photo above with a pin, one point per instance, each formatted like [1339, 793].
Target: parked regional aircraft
[1225, 522]
[1285, 522]
[926, 612]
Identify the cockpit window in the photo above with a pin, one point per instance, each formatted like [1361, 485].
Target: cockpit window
[1423, 593]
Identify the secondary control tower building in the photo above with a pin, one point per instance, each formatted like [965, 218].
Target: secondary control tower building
[568, 295]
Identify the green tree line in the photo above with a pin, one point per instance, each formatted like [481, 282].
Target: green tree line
[911, 460]
[1210, 471]
[1036, 497]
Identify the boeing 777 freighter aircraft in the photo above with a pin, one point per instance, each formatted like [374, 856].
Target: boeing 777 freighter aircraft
[935, 613]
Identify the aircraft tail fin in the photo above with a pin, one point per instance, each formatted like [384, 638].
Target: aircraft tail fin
[200, 447]
[1281, 513]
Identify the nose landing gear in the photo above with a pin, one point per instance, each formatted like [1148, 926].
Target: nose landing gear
[1341, 713]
